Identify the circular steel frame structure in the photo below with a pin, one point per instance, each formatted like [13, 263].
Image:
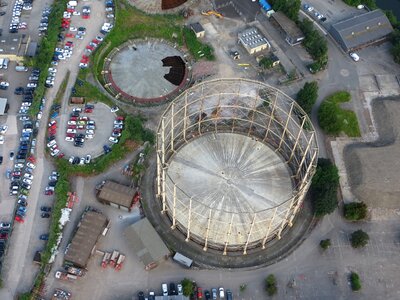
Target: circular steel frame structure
[247, 200]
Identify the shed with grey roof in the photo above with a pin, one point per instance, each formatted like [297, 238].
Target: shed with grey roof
[362, 30]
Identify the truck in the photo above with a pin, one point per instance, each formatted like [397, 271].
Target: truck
[120, 260]
[106, 259]
[75, 271]
[114, 257]
[65, 276]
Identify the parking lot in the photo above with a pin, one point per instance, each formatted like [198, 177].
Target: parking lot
[103, 118]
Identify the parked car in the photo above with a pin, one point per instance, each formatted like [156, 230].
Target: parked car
[45, 208]
[44, 237]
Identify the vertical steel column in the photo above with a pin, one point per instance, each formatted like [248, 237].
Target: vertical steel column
[185, 117]
[164, 205]
[305, 154]
[207, 231]
[228, 234]
[172, 125]
[289, 116]
[272, 116]
[163, 193]
[174, 209]
[269, 228]
[189, 221]
[248, 236]
[297, 140]
[286, 218]
[158, 173]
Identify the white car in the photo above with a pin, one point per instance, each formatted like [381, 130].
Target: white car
[77, 109]
[5, 84]
[69, 139]
[55, 152]
[30, 165]
[29, 176]
[221, 293]
[89, 136]
[71, 131]
[31, 85]
[71, 122]
[354, 56]
[1, 139]
[52, 70]
[39, 115]
[114, 109]
[89, 131]
[27, 181]
[88, 158]
[310, 9]
[52, 122]
[71, 159]
[72, 28]
[99, 38]
[82, 161]
[83, 65]
[76, 13]
[51, 143]
[113, 139]
[3, 129]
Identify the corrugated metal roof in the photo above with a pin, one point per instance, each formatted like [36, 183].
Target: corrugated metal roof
[91, 227]
[146, 242]
[197, 27]
[117, 193]
[362, 29]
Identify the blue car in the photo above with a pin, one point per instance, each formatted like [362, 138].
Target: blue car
[44, 237]
[22, 208]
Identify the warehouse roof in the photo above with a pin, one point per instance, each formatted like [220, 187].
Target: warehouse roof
[89, 230]
[117, 193]
[287, 25]
[146, 242]
[252, 38]
[3, 106]
[362, 29]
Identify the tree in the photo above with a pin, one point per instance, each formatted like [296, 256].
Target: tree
[359, 239]
[355, 211]
[307, 96]
[355, 281]
[324, 188]
[270, 285]
[266, 62]
[325, 244]
[289, 7]
[187, 286]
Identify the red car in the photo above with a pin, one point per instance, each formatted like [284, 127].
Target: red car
[19, 219]
[73, 119]
[71, 35]
[70, 135]
[71, 127]
[88, 110]
[70, 10]
[3, 236]
[61, 155]
[85, 16]
[120, 118]
[48, 193]
[69, 44]
[89, 48]
[96, 41]
[199, 293]
[84, 61]
[32, 159]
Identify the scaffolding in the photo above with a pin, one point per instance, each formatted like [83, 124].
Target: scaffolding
[226, 109]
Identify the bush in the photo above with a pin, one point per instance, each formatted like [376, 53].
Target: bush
[355, 211]
[270, 285]
[324, 188]
[355, 281]
[187, 286]
[289, 7]
[307, 96]
[325, 244]
[359, 239]
[266, 63]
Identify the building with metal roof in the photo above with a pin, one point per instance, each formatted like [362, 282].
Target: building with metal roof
[198, 29]
[362, 30]
[83, 244]
[293, 34]
[253, 41]
[146, 243]
[116, 195]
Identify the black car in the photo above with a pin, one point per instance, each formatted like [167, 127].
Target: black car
[19, 90]
[140, 296]
[45, 208]
[11, 154]
[172, 289]
[45, 215]
[1, 160]
[207, 295]
[106, 149]
[25, 185]
[75, 114]
[53, 183]
[78, 144]
[76, 161]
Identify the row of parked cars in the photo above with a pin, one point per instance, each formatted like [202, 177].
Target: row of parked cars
[314, 13]
[19, 6]
[117, 130]
[44, 21]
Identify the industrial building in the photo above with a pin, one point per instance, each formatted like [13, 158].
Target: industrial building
[146, 243]
[362, 30]
[198, 30]
[253, 41]
[293, 34]
[116, 195]
[91, 226]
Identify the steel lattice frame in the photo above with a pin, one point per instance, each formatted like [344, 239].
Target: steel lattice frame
[252, 109]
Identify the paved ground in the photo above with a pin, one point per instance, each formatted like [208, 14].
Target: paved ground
[104, 119]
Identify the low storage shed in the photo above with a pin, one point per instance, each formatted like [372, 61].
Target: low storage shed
[117, 195]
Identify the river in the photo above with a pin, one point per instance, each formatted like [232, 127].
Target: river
[393, 5]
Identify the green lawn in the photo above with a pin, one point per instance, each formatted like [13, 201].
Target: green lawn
[334, 120]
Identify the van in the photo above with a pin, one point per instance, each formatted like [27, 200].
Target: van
[164, 289]
[21, 68]
[183, 260]
[5, 63]
[1, 63]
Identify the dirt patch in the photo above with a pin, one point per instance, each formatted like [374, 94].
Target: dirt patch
[374, 168]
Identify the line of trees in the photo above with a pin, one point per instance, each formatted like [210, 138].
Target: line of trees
[289, 7]
[307, 96]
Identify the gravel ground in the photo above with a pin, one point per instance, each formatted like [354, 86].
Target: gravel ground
[373, 168]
